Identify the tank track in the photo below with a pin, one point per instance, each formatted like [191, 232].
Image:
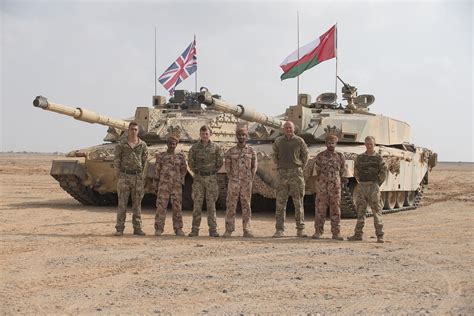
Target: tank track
[348, 209]
[85, 195]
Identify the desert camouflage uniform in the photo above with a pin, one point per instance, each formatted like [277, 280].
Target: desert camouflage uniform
[238, 165]
[205, 161]
[129, 164]
[290, 178]
[329, 167]
[171, 170]
[370, 172]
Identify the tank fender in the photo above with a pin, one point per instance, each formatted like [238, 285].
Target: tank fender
[68, 167]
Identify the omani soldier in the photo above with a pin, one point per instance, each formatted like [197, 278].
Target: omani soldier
[329, 167]
[241, 166]
[205, 159]
[290, 154]
[171, 169]
[129, 161]
[370, 172]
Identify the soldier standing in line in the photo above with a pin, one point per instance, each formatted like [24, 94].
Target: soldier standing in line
[171, 169]
[370, 172]
[129, 162]
[205, 159]
[241, 166]
[290, 154]
[329, 168]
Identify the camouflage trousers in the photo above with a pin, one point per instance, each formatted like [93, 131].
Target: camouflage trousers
[205, 187]
[290, 183]
[236, 190]
[129, 184]
[163, 196]
[368, 193]
[325, 200]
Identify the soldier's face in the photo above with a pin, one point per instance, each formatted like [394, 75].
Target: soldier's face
[370, 145]
[331, 145]
[205, 135]
[242, 137]
[133, 131]
[288, 129]
[172, 144]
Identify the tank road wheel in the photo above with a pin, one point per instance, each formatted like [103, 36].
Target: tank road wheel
[390, 200]
[400, 199]
[410, 198]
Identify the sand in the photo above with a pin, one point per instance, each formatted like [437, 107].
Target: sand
[58, 256]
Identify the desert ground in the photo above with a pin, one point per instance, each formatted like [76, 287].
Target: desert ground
[58, 256]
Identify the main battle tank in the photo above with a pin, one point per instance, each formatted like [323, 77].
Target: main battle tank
[408, 164]
[87, 174]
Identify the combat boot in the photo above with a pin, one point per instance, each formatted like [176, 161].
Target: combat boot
[158, 232]
[355, 237]
[300, 233]
[118, 233]
[194, 233]
[337, 237]
[227, 234]
[139, 232]
[279, 233]
[179, 232]
[248, 234]
[380, 240]
[316, 235]
[213, 233]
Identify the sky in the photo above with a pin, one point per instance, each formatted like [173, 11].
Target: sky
[416, 57]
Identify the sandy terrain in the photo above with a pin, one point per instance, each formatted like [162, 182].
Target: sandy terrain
[57, 256]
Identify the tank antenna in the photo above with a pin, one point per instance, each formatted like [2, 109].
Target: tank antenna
[156, 78]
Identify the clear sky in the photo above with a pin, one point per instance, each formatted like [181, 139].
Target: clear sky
[416, 57]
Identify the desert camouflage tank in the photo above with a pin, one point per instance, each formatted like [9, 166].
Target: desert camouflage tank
[408, 165]
[87, 174]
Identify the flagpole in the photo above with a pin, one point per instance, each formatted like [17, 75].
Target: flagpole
[196, 73]
[335, 48]
[156, 79]
[298, 45]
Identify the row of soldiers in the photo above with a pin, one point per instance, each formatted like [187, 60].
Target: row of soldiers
[205, 158]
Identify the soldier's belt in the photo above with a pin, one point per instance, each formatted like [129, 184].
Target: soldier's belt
[206, 173]
[130, 171]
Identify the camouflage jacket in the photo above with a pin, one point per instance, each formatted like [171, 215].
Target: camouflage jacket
[171, 168]
[205, 158]
[131, 159]
[370, 168]
[329, 167]
[241, 163]
[290, 153]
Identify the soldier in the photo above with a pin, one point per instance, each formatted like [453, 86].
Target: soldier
[290, 154]
[129, 161]
[205, 159]
[171, 169]
[241, 166]
[329, 168]
[370, 172]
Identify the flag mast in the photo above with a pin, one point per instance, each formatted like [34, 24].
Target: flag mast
[335, 48]
[196, 73]
[156, 78]
[298, 45]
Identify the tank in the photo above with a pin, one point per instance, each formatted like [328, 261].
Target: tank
[87, 174]
[408, 165]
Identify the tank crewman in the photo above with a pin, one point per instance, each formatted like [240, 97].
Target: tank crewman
[171, 169]
[241, 167]
[205, 159]
[290, 154]
[130, 157]
[329, 167]
[370, 172]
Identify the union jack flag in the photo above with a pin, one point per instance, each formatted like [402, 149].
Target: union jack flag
[182, 68]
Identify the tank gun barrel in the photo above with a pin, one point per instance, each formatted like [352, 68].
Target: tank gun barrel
[79, 113]
[239, 110]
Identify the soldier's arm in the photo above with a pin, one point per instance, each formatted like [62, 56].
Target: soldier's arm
[317, 166]
[254, 163]
[144, 155]
[343, 165]
[219, 158]
[117, 159]
[275, 152]
[382, 170]
[304, 153]
[158, 164]
[184, 169]
[192, 159]
[356, 169]
[228, 162]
